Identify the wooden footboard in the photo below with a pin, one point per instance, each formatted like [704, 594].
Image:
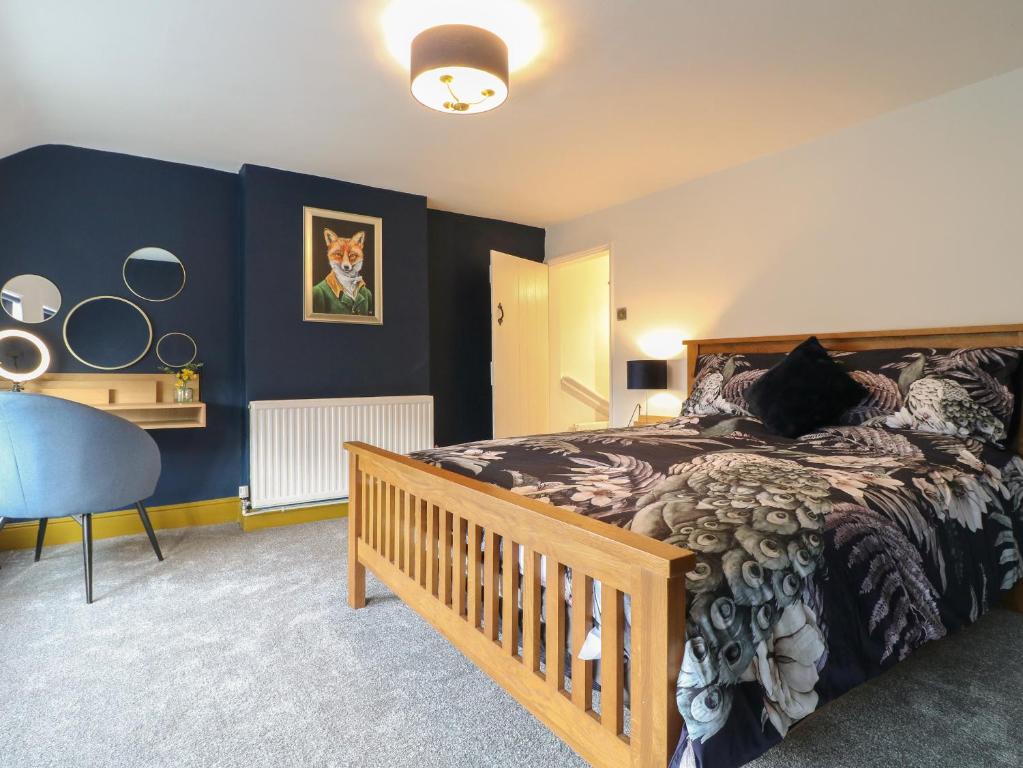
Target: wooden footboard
[437, 540]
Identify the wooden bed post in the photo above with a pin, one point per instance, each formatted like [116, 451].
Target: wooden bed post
[659, 618]
[356, 570]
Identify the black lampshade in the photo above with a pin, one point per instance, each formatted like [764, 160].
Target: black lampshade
[459, 69]
[647, 374]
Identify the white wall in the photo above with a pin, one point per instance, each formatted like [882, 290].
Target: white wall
[912, 219]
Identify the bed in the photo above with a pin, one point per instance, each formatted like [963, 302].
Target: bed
[619, 580]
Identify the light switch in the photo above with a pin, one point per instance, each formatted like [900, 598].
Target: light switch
[622, 313]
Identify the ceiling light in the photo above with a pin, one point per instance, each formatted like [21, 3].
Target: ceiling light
[459, 69]
[511, 20]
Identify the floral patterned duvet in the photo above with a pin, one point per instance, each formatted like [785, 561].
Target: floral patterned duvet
[821, 561]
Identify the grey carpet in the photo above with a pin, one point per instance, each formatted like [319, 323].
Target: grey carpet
[239, 651]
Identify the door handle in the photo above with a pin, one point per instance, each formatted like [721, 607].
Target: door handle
[500, 316]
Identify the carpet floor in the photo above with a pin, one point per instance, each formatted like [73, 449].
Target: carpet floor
[239, 650]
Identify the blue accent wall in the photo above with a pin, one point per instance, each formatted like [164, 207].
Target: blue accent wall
[73, 215]
[460, 351]
[286, 357]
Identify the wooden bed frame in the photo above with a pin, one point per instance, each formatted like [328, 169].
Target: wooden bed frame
[414, 525]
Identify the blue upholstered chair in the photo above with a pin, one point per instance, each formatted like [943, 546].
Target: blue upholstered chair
[62, 459]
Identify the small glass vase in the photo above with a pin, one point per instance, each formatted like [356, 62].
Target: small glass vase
[182, 394]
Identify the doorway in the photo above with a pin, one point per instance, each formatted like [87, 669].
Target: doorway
[579, 312]
[551, 341]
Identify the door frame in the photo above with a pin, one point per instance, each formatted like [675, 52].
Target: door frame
[585, 254]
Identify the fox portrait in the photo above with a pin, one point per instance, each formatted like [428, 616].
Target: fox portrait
[343, 291]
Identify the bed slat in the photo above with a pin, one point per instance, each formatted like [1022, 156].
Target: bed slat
[462, 565]
[410, 535]
[612, 645]
[582, 622]
[555, 612]
[510, 599]
[387, 547]
[491, 599]
[423, 547]
[371, 502]
[445, 556]
[474, 595]
[531, 608]
[399, 529]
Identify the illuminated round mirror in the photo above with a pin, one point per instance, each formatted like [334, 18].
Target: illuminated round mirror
[107, 332]
[23, 356]
[154, 274]
[30, 298]
[176, 349]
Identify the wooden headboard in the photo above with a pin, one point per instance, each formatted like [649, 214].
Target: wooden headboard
[963, 336]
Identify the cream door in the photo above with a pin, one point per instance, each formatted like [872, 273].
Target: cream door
[518, 311]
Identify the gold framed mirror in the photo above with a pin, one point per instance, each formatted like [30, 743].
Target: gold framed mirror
[107, 333]
[153, 274]
[176, 349]
[30, 298]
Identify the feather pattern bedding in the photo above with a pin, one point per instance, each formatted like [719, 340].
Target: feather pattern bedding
[821, 561]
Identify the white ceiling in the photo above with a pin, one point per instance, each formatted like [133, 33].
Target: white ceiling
[626, 98]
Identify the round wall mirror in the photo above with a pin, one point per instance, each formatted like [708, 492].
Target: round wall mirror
[30, 298]
[107, 332]
[154, 274]
[23, 356]
[176, 349]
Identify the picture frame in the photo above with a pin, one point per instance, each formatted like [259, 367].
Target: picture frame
[342, 267]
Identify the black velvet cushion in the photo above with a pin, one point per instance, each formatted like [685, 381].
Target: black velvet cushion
[804, 391]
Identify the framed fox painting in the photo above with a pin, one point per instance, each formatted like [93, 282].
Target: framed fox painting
[343, 276]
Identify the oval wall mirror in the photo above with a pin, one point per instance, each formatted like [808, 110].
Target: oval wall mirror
[154, 274]
[107, 332]
[30, 298]
[176, 349]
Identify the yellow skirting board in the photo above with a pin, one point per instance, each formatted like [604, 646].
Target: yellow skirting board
[294, 516]
[64, 530]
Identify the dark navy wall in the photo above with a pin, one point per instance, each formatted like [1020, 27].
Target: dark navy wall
[73, 215]
[288, 358]
[459, 248]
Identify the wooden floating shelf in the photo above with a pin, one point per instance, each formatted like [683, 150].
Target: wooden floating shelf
[145, 399]
[160, 415]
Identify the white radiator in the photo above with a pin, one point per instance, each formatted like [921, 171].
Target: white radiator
[295, 446]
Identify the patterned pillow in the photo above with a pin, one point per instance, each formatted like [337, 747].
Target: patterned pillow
[963, 392]
[721, 381]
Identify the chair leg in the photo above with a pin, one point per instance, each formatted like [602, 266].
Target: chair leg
[87, 554]
[149, 529]
[40, 537]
